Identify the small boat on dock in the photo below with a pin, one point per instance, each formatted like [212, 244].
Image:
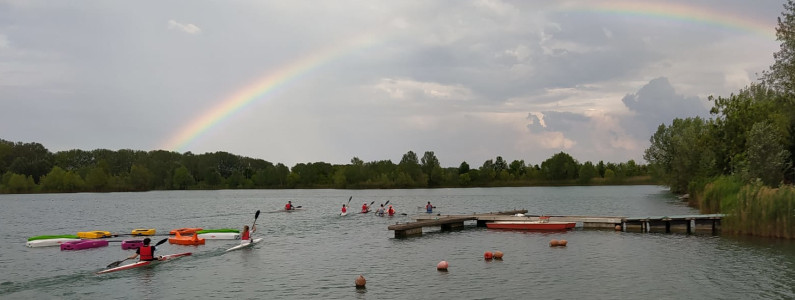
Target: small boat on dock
[531, 225]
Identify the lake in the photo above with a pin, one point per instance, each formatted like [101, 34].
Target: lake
[316, 254]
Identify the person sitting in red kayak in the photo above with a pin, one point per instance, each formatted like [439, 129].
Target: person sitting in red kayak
[146, 252]
[365, 208]
[390, 211]
[289, 205]
[246, 236]
[344, 209]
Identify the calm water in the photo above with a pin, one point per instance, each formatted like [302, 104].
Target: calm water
[315, 254]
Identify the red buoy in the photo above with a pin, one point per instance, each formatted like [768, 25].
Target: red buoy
[360, 281]
[442, 266]
[488, 255]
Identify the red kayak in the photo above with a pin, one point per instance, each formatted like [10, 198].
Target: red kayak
[144, 263]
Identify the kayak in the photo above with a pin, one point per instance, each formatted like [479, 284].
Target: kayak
[220, 236]
[48, 237]
[218, 230]
[49, 242]
[83, 244]
[144, 263]
[131, 244]
[96, 234]
[343, 214]
[186, 240]
[184, 231]
[150, 231]
[243, 244]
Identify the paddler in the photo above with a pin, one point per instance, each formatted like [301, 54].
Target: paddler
[289, 205]
[146, 252]
[429, 208]
[380, 211]
[246, 236]
[344, 209]
[365, 208]
[390, 211]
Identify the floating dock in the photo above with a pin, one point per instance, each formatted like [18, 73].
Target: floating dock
[666, 224]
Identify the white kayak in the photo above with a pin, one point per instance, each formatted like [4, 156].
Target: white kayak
[220, 236]
[342, 214]
[49, 242]
[144, 263]
[245, 244]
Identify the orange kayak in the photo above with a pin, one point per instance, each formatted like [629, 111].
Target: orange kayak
[184, 231]
[186, 240]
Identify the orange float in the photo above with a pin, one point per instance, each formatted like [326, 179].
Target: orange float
[554, 243]
[488, 255]
[497, 254]
[442, 266]
[562, 243]
[186, 240]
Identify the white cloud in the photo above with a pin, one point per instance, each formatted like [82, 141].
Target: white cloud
[407, 88]
[187, 28]
[4, 43]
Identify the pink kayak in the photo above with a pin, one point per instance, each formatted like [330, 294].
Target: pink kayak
[131, 244]
[144, 263]
[83, 244]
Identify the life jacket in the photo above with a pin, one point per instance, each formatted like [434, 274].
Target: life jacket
[146, 253]
[391, 211]
[245, 235]
[344, 209]
[429, 208]
[365, 208]
[288, 206]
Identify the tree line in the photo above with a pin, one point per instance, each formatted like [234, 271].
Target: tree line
[31, 168]
[739, 161]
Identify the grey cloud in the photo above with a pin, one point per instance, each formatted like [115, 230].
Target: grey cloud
[657, 103]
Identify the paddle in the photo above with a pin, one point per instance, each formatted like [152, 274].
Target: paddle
[118, 262]
[256, 215]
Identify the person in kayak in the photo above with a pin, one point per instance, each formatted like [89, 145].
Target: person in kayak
[344, 209]
[380, 211]
[146, 252]
[390, 211]
[365, 208]
[289, 205]
[246, 236]
[429, 208]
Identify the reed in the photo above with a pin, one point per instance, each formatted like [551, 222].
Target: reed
[761, 211]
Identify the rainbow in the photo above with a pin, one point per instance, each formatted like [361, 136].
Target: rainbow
[680, 12]
[264, 86]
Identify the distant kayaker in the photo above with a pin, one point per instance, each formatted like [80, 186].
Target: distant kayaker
[289, 205]
[246, 236]
[429, 208]
[380, 211]
[390, 211]
[344, 209]
[365, 208]
[146, 252]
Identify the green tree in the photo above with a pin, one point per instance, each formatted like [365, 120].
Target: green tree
[680, 153]
[587, 172]
[767, 158]
[182, 178]
[560, 166]
[430, 166]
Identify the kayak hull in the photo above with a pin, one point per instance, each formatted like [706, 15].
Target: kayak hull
[184, 231]
[243, 244]
[150, 231]
[83, 244]
[144, 263]
[96, 234]
[219, 236]
[131, 244]
[49, 242]
[186, 240]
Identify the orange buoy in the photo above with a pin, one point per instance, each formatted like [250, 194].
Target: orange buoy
[553, 243]
[488, 255]
[360, 281]
[562, 243]
[497, 254]
[442, 266]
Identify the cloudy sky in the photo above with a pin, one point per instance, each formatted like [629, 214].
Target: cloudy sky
[308, 81]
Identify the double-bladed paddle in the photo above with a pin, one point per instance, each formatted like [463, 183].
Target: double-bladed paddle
[256, 215]
[118, 262]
